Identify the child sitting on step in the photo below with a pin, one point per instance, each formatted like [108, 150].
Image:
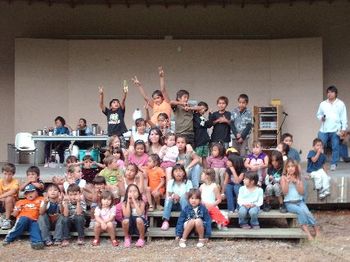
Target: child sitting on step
[194, 217]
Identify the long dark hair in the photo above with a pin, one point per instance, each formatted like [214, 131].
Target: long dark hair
[238, 163]
[278, 157]
[159, 133]
[181, 167]
[127, 193]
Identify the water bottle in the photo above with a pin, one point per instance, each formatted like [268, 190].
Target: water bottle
[45, 131]
[137, 114]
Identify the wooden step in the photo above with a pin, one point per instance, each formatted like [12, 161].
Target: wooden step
[266, 233]
[274, 233]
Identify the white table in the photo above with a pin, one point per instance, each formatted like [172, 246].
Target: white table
[69, 138]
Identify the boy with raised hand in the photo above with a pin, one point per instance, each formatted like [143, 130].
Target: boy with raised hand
[287, 138]
[27, 213]
[9, 187]
[241, 124]
[33, 178]
[74, 209]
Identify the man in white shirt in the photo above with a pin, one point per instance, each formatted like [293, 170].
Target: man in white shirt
[333, 117]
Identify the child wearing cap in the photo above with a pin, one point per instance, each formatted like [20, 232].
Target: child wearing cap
[27, 213]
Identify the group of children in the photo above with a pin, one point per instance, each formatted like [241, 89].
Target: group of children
[188, 169]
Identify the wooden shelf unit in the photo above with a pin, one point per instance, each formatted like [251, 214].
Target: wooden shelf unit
[267, 120]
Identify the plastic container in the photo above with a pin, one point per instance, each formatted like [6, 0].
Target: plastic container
[94, 153]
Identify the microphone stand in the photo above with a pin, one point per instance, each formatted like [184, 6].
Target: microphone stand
[280, 128]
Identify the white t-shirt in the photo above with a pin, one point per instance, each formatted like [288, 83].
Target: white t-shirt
[81, 184]
[105, 213]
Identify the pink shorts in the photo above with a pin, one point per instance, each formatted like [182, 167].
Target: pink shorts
[166, 164]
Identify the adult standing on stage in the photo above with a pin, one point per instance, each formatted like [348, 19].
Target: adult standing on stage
[333, 117]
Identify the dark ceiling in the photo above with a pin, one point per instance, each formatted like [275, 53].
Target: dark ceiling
[169, 3]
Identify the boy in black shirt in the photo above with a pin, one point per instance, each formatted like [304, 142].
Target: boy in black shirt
[201, 137]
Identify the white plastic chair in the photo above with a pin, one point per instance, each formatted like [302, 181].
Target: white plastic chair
[24, 143]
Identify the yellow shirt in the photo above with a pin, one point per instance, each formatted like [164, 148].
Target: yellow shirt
[5, 187]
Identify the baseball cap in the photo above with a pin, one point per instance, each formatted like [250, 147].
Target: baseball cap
[29, 188]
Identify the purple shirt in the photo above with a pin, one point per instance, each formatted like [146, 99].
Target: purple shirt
[216, 162]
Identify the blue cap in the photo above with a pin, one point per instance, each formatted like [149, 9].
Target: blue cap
[29, 188]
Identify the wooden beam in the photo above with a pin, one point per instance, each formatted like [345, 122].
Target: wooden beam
[243, 4]
[223, 3]
[311, 2]
[127, 3]
[291, 2]
[108, 3]
[166, 3]
[72, 4]
[185, 4]
[205, 3]
[49, 2]
[147, 3]
[267, 3]
[29, 2]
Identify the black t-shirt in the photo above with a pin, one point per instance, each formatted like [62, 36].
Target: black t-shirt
[221, 131]
[115, 121]
[200, 125]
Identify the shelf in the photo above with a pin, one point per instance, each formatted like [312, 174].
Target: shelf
[267, 129]
[267, 138]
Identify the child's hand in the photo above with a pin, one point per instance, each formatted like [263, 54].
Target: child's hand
[229, 164]
[100, 90]
[161, 71]
[135, 81]
[46, 198]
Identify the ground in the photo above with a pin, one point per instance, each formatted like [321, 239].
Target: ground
[334, 245]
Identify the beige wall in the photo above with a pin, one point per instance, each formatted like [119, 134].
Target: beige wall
[331, 22]
[67, 73]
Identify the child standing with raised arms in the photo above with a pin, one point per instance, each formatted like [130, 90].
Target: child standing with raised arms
[115, 114]
[160, 102]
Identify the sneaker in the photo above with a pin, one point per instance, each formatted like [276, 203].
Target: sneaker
[6, 224]
[5, 242]
[80, 241]
[324, 194]
[46, 165]
[127, 242]
[219, 226]
[182, 243]
[37, 246]
[92, 224]
[140, 243]
[283, 209]
[245, 226]
[165, 225]
[256, 227]
[48, 243]
[333, 167]
[200, 243]
[57, 243]
[346, 159]
[267, 208]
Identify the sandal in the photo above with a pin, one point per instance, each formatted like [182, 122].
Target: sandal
[127, 242]
[151, 208]
[182, 243]
[115, 243]
[65, 243]
[140, 243]
[96, 242]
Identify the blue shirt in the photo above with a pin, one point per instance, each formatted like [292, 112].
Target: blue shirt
[293, 194]
[294, 154]
[61, 130]
[314, 166]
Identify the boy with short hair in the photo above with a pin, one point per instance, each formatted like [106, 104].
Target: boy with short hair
[183, 116]
[27, 213]
[287, 138]
[201, 136]
[241, 124]
[316, 161]
[9, 187]
[221, 123]
[74, 209]
[33, 178]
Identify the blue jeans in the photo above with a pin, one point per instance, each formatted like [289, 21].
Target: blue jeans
[78, 221]
[231, 192]
[335, 141]
[343, 150]
[243, 213]
[171, 206]
[304, 215]
[195, 175]
[23, 224]
[45, 225]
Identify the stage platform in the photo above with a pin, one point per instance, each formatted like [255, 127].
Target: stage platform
[340, 183]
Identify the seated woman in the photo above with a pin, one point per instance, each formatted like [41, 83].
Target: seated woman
[83, 130]
[61, 128]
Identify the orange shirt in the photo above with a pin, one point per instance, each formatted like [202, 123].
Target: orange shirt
[29, 208]
[14, 184]
[164, 107]
[155, 176]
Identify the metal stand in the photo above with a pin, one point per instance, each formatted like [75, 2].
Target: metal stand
[279, 133]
